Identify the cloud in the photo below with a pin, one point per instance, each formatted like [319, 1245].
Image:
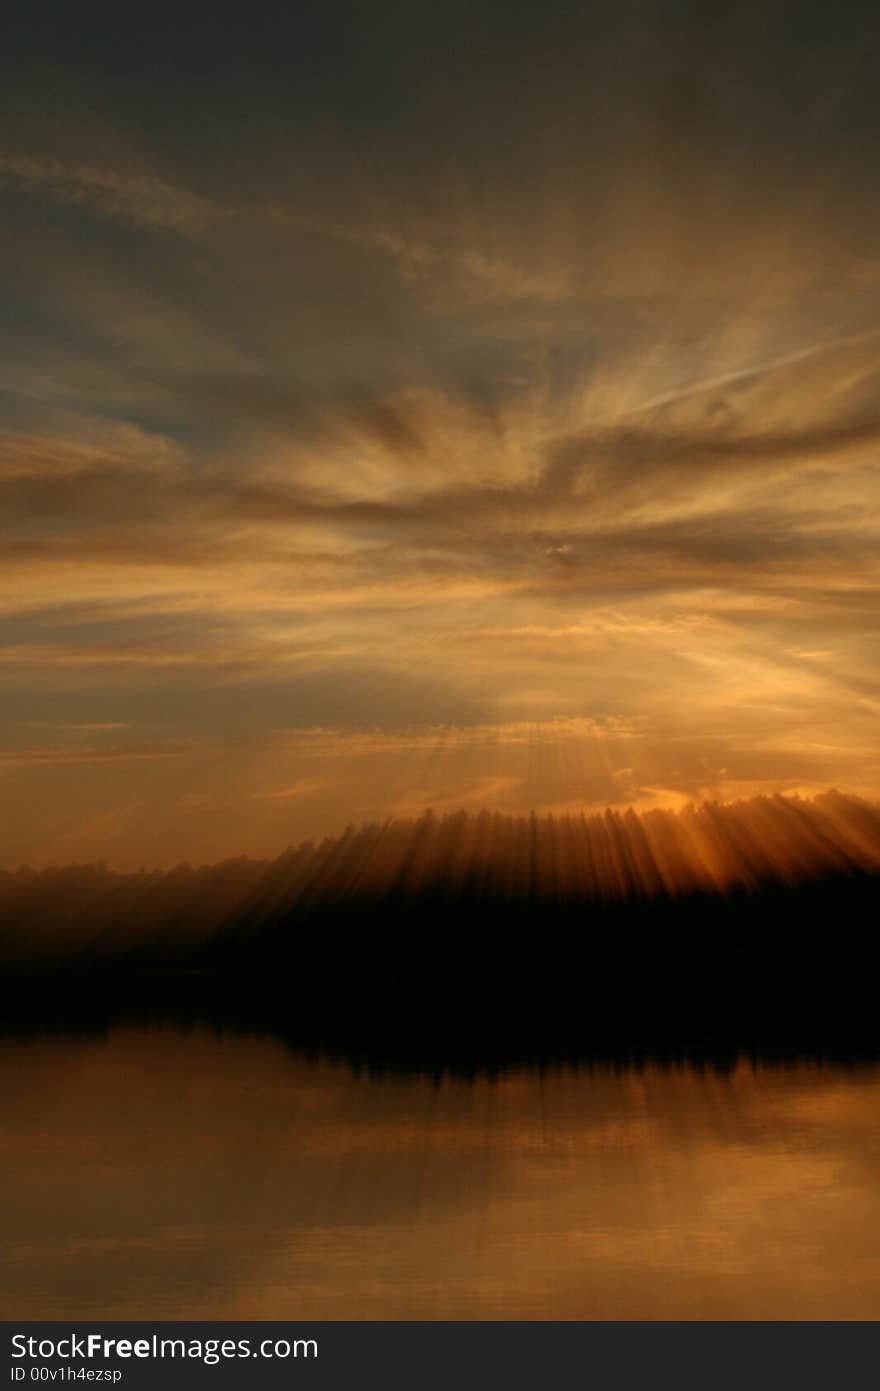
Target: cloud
[389, 401]
[146, 200]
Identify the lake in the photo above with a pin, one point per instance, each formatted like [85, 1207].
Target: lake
[167, 1172]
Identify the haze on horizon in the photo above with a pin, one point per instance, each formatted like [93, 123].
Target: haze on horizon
[410, 407]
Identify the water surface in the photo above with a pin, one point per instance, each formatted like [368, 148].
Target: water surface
[176, 1173]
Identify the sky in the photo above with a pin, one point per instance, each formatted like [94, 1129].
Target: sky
[448, 406]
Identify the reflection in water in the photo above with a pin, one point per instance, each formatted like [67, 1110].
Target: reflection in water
[172, 1173]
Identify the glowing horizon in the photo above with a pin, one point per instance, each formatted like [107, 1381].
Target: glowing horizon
[387, 441]
[488, 861]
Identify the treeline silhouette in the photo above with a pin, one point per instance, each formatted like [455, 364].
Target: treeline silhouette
[416, 1013]
[603, 884]
[470, 941]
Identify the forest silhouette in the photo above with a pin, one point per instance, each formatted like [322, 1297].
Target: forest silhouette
[589, 873]
[473, 940]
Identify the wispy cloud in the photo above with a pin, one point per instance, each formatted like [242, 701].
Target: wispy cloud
[395, 406]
